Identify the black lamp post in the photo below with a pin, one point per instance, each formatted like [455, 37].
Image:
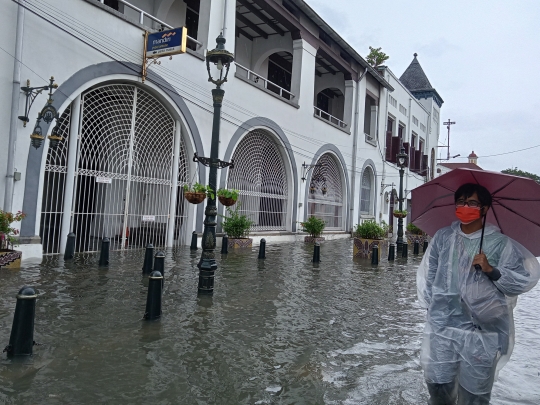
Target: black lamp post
[402, 161]
[222, 59]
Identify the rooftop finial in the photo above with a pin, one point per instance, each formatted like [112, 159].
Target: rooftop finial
[415, 54]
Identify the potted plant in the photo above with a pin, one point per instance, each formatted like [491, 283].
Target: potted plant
[237, 228]
[227, 197]
[369, 234]
[414, 233]
[400, 214]
[314, 226]
[9, 258]
[197, 193]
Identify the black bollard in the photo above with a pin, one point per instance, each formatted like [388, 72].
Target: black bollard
[148, 259]
[104, 256]
[405, 250]
[21, 341]
[392, 253]
[225, 245]
[70, 247]
[416, 249]
[425, 246]
[317, 253]
[375, 255]
[159, 263]
[193, 241]
[153, 299]
[262, 249]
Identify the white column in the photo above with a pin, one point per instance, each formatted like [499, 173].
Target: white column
[296, 78]
[70, 175]
[349, 103]
[373, 122]
[174, 184]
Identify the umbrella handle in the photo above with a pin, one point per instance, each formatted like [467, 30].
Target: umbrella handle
[478, 267]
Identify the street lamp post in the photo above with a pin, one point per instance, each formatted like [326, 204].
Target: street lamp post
[402, 161]
[222, 60]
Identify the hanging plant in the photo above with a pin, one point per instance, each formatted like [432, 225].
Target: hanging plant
[227, 197]
[197, 193]
[400, 214]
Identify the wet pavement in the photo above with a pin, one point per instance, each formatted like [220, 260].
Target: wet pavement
[278, 331]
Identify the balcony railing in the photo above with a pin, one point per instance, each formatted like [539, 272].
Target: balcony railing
[143, 14]
[325, 116]
[265, 83]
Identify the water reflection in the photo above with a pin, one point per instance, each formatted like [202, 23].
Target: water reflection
[281, 330]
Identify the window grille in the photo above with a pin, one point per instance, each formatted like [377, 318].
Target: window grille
[365, 198]
[393, 101]
[402, 110]
[422, 127]
[328, 205]
[436, 115]
[415, 120]
[259, 174]
[123, 171]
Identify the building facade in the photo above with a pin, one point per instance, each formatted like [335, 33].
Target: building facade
[297, 96]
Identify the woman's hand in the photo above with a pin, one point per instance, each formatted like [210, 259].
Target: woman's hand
[482, 260]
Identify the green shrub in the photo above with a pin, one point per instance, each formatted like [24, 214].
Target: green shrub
[199, 188]
[236, 226]
[414, 229]
[314, 226]
[370, 230]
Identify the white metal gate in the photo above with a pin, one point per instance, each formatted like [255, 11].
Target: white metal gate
[259, 174]
[123, 174]
[325, 199]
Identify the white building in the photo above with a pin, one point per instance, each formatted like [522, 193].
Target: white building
[297, 93]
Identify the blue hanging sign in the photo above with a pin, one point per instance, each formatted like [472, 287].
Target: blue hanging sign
[163, 43]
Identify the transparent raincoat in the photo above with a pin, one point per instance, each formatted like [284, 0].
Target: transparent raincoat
[469, 331]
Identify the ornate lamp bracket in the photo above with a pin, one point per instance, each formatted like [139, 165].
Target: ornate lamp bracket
[31, 93]
[208, 162]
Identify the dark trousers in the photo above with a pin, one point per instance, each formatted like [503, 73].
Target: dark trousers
[447, 394]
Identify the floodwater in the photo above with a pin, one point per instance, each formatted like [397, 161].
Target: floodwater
[279, 331]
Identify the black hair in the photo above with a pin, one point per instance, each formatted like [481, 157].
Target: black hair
[468, 189]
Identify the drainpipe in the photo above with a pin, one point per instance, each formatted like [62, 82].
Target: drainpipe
[355, 143]
[224, 28]
[383, 177]
[15, 97]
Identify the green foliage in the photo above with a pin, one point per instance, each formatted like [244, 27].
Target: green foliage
[516, 172]
[314, 226]
[414, 229]
[236, 226]
[199, 188]
[370, 230]
[376, 57]
[222, 192]
[7, 232]
[402, 212]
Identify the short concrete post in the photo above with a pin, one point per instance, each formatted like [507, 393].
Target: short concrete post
[21, 341]
[159, 263]
[104, 255]
[425, 246]
[392, 253]
[193, 241]
[262, 249]
[416, 249]
[225, 245]
[148, 259]
[317, 253]
[153, 299]
[375, 255]
[70, 246]
[405, 250]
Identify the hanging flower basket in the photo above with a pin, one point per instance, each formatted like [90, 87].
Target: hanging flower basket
[194, 198]
[227, 202]
[400, 214]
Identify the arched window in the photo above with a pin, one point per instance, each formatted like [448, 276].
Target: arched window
[325, 199]
[366, 193]
[259, 174]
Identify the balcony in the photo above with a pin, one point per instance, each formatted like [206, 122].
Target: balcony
[243, 73]
[330, 118]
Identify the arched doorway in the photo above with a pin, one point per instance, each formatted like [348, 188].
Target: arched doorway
[123, 173]
[261, 177]
[325, 199]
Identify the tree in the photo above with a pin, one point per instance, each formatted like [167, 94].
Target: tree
[376, 57]
[516, 172]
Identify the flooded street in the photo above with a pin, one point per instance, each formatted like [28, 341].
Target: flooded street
[279, 331]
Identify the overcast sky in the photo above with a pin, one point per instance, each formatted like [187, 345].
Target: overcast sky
[482, 56]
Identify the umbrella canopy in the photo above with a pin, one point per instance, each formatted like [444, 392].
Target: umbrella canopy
[515, 209]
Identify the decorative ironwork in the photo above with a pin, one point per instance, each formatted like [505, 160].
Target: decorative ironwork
[261, 178]
[326, 200]
[208, 162]
[222, 59]
[31, 93]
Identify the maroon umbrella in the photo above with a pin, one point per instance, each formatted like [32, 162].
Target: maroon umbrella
[515, 210]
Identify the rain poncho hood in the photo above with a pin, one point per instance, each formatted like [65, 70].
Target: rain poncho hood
[469, 330]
